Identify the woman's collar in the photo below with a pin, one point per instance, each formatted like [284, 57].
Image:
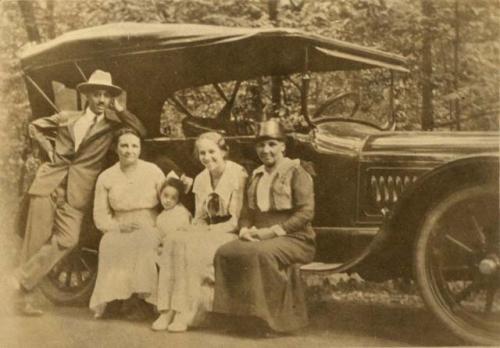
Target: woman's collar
[227, 181]
[283, 167]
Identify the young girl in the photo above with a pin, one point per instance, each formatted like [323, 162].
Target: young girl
[174, 214]
[186, 278]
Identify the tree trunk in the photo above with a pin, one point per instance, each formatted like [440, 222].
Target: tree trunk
[259, 107]
[427, 85]
[51, 23]
[273, 11]
[30, 25]
[276, 81]
[456, 64]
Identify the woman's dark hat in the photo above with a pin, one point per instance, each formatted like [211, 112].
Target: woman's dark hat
[270, 129]
[99, 80]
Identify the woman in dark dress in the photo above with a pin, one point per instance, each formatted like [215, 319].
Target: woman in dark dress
[255, 275]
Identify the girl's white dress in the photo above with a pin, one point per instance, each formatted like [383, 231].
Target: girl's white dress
[186, 265]
[170, 220]
[127, 261]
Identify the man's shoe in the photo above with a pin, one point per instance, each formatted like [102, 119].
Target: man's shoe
[99, 311]
[13, 283]
[27, 309]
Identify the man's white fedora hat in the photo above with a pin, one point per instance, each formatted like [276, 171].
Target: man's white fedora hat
[99, 80]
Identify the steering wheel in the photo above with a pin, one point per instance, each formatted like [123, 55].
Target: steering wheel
[337, 99]
[353, 96]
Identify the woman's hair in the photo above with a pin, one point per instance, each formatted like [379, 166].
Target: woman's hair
[176, 184]
[123, 131]
[214, 137]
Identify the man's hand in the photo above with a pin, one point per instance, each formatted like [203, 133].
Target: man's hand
[117, 105]
[129, 227]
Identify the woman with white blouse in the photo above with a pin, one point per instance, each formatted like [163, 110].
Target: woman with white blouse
[186, 278]
[125, 209]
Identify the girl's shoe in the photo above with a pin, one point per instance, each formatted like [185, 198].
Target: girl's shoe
[179, 324]
[162, 322]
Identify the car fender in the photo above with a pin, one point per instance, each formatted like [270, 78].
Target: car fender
[402, 222]
[440, 180]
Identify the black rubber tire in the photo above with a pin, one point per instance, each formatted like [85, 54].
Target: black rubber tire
[436, 293]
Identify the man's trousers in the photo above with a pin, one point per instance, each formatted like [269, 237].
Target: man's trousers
[52, 231]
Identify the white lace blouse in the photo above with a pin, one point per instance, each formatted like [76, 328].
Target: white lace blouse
[230, 190]
[120, 197]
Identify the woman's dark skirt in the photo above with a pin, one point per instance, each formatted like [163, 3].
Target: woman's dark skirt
[262, 279]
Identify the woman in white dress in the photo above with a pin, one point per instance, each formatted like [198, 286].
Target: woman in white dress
[125, 209]
[186, 278]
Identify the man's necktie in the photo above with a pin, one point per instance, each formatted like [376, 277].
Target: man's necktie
[92, 124]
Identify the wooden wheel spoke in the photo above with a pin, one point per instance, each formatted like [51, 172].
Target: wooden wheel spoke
[60, 267]
[460, 244]
[479, 230]
[74, 271]
[85, 264]
[65, 269]
[89, 250]
[77, 276]
[82, 277]
[69, 272]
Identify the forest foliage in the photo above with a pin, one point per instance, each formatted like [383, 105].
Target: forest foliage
[464, 51]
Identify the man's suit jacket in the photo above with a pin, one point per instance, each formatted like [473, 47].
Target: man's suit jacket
[80, 168]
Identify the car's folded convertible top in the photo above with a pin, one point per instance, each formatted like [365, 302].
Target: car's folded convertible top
[207, 54]
[152, 61]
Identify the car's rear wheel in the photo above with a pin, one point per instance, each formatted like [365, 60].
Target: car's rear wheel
[456, 263]
[72, 280]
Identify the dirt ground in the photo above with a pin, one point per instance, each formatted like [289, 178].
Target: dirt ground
[344, 311]
[333, 324]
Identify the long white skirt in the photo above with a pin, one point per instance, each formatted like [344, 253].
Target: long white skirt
[127, 265]
[186, 280]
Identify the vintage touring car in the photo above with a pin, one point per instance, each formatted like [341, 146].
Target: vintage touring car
[390, 204]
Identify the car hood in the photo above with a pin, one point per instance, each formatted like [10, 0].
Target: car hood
[433, 143]
[360, 140]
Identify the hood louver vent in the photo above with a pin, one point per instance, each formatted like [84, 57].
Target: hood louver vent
[386, 189]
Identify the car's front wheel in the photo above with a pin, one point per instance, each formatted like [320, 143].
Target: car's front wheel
[457, 263]
[72, 280]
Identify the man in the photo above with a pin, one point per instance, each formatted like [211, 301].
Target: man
[62, 190]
